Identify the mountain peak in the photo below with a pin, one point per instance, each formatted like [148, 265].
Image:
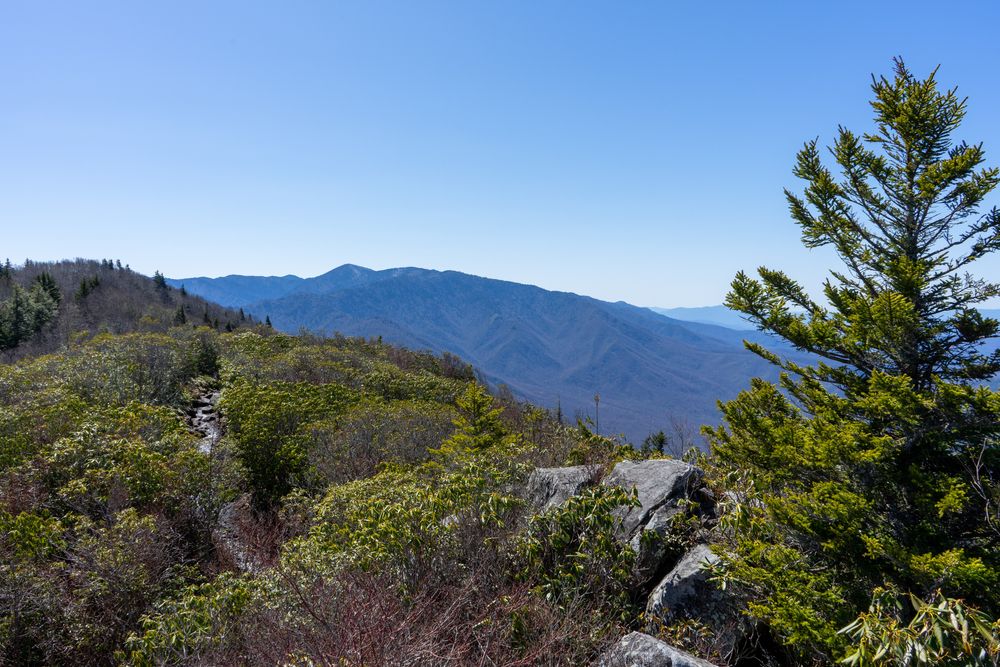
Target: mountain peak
[345, 268]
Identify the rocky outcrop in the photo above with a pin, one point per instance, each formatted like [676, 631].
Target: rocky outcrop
[551, 487]
[657, 483]
[654, 544]
[640, 650]
[674, 507]
[686, 587]
[662, 487]
[686, 592]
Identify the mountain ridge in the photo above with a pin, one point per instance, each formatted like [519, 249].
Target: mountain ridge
[552, 348]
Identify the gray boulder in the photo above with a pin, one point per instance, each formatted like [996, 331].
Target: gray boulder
[640, 650]
[660, 486]
[657, 483]
[685, 588]
[686, 593]
[653, 544]
[551, 487]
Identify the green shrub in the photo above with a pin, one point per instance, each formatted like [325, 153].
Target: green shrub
[267, 427]
[189, 626]
[573, 550]
[943, 631]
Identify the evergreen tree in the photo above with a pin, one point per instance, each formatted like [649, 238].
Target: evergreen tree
[206, 356]
[267, 321]
[24, 314]
[48, 283]
[180, 317]
[161, 284]
[879, 466]
[478, 425]
[14, 319]
[83, 291]
[655, 443]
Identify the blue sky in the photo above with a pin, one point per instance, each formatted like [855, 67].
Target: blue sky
[626, 150]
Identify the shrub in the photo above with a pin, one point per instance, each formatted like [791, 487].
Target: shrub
[573, 550]
[266, 425]
[942, 631]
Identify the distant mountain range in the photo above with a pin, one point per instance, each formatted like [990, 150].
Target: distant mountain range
[717, 315]
[552, 348]
[724, 317]
[243, 291]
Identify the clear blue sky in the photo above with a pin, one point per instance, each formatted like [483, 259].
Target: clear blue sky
[626, 150]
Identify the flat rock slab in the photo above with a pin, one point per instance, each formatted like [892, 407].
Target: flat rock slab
[637, 649]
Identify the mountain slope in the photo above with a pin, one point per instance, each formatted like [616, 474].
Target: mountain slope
[553, 348]
[93, 297]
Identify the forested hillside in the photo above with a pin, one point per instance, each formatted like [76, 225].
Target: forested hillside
[44, 305]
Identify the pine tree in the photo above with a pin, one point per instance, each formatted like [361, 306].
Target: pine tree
[478, 426]
[879, 465]
[83, 291]
[159, 281]
[48, 283]
[267, 321]
[180, 317]
[15, 318]
[25, 314]
[655, 443]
